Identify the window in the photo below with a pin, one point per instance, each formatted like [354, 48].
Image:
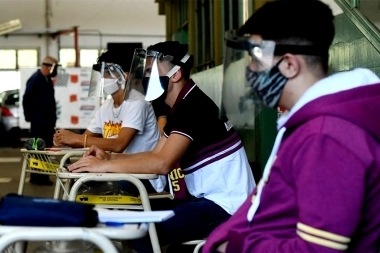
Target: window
[371, 10]
[183, 17]
[27, 58]
[9, 59]
[67, 57]
[17, 58]
[231, 15]
[204, 21]
[87, 57]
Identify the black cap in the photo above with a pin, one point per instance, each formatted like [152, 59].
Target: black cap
[117, 57]
[175, 49]
[299, 19]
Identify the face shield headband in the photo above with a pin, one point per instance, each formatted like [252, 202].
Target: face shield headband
[155, 85]
[245, 43]
[106, 79]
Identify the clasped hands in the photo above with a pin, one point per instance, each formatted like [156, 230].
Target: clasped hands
[63, 137]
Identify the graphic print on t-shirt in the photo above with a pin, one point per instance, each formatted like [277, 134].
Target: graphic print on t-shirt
[111, 129]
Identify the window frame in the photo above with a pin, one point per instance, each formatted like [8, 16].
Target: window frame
[16, 57]
[64, 65]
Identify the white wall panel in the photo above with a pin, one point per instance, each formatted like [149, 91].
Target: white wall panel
[211, 81]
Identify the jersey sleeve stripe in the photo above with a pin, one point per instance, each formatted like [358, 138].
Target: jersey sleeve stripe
[322, 242]
[208, 160]
[181, 133]
[323, 234]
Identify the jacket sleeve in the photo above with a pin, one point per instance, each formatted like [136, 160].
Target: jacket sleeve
[329, 185]
[221, 233]
[27, 100]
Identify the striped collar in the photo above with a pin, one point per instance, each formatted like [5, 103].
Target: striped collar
[187, 88]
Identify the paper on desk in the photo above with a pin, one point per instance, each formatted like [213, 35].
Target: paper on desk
[106, 215]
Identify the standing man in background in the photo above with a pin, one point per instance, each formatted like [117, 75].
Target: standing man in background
[40, 108]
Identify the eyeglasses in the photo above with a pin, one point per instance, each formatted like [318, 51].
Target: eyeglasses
[50, 64]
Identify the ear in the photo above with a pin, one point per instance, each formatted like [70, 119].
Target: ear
[290, 66]
[126, 75]
[177, 76]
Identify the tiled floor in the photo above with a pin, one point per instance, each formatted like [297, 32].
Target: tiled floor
[10, 169]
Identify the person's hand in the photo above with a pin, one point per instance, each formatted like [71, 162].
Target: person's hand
[88, 164]
[97, 152]
[56, 142]
[65, 137]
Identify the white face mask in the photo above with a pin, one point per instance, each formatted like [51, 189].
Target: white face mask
[110, 86]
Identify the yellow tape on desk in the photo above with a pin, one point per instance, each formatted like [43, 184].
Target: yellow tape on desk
[109, 199]
[42, 165]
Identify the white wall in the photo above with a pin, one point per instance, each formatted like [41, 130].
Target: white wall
[211, 82]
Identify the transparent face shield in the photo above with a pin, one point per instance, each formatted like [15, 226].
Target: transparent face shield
[156, 76]
[136, 74]
[239, 101]
[106, 79]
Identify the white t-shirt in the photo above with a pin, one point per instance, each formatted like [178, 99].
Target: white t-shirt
[136, 113]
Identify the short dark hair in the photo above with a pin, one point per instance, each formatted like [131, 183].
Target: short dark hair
[178, 51]
[116, 57]
[298, 22]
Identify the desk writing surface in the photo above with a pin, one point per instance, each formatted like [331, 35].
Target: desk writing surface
[53, 151]
[123, 216]
[64, 173]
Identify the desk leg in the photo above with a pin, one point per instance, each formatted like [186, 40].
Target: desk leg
[67, 189]
[22, 178]
[20, 246]
[146, 206]
[57, 188]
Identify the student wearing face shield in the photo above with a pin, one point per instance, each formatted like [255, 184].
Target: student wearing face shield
[125, 122]
[207, 148]
[40, 108]
[320, 189]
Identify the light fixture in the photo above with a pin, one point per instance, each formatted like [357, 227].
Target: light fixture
[10, 26]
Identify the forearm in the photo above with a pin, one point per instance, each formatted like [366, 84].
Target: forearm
[121, 156]
[140, 163]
